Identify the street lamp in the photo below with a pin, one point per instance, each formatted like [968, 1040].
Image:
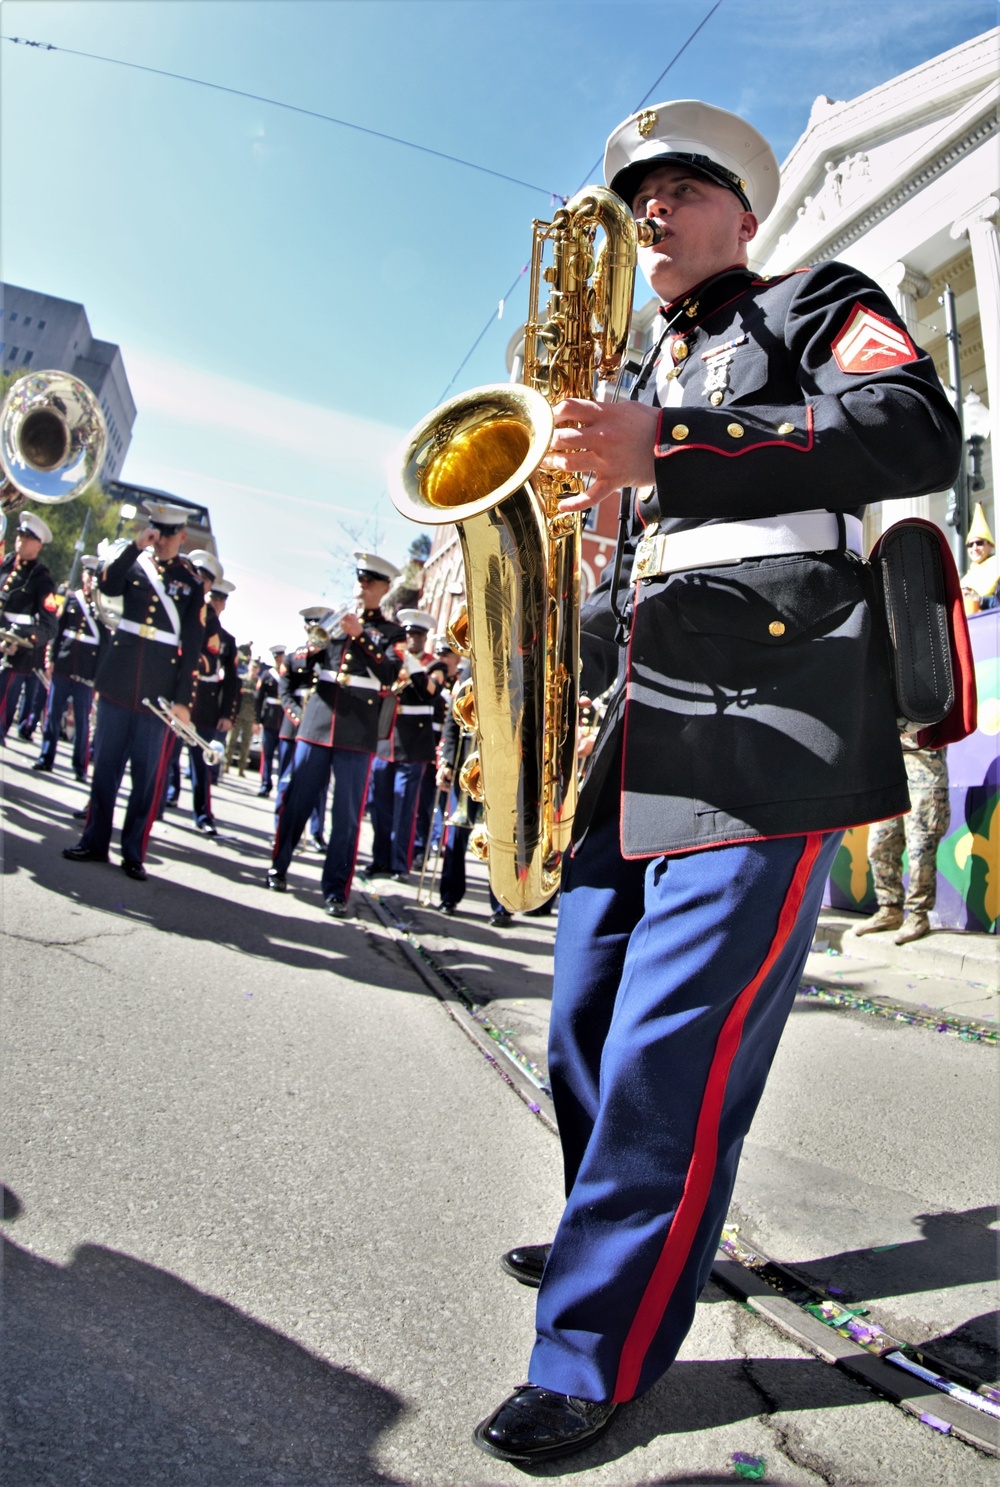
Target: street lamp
[126, 513]
[976, 422]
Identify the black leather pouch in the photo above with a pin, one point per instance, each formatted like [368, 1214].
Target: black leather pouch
[908, 567]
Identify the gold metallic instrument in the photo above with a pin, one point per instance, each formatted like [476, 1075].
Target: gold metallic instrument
[53, 440]
[187, 732]
[477, 461]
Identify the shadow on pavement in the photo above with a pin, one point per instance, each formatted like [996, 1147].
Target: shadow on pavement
[121, 1374]
[955, 1249]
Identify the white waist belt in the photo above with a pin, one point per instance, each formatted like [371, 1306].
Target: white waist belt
[411, 709]
[347, 679]
[9, 618]
[149, 632]
[85, 639]
[733, 541]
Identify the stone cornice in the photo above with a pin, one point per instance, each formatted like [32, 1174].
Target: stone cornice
[984, 211]
[971, 140]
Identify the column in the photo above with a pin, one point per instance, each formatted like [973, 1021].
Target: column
[905, 285]
[979, 226]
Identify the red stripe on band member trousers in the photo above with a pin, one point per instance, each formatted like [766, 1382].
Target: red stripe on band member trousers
[673, 981]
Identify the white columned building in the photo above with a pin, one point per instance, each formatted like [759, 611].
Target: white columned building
[903, 183]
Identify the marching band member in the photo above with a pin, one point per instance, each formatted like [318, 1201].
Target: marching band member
[71, 666]
[397, 780]
[754, 719]
[29, 610]
[268, 714]
[296, 683]
[339, 732]
[153, 653]
[205, 698]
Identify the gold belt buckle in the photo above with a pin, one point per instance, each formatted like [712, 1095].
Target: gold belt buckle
[147, 631]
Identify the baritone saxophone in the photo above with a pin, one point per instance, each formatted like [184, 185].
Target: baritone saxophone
[476, 461]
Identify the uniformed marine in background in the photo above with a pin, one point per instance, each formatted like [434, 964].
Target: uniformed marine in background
[152, 654]
[398, 777]
[268, 714]
[29, 613]
[296, 684]
[753, 719]
[919, 832]
[239, 739]
[71, 665]
[206, 696]
[339, 733]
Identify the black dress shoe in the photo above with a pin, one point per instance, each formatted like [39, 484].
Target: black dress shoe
[501, 919]
[207, 828]
[536, 1425]
[83, 854]
[335, 907]
[276, 881]
[448, 909]
[135, 870]
[41, 766]
[263, 792]
[526, 1263]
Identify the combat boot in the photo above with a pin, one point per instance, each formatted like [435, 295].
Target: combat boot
[916, 926]
[889, 916]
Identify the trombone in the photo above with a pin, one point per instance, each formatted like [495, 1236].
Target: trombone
[186, 731]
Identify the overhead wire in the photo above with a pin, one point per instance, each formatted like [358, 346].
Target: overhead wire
[496, 315]
[294, 108]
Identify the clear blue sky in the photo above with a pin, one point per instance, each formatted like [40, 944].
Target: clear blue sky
[290, 295]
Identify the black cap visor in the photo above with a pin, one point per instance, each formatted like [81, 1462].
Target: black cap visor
[168, 529]
[627, 182]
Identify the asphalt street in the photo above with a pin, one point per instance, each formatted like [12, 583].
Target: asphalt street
[257, 1181]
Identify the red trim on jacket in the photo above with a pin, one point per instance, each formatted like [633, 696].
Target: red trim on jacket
[660, 451]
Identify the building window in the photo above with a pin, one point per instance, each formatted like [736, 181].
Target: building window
[13, 314]
[12, 352]
[27, 319]
[27, 357]
[41, 325]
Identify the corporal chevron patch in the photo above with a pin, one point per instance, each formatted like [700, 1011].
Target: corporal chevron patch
[870, 343]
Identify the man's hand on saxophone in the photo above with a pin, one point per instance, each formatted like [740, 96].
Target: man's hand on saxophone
[613, 442]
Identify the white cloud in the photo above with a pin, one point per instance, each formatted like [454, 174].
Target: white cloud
[358, 447]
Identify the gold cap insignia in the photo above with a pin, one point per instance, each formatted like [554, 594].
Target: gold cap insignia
[647, 122]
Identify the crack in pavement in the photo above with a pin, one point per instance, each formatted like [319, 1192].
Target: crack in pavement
[789, 1447]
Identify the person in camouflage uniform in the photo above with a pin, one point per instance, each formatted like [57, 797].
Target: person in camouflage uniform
[240, 736]
[920, 832]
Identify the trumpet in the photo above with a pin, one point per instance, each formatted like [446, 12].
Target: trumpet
[329, 627]
[53, 440]
[187, 731]
[14, 638]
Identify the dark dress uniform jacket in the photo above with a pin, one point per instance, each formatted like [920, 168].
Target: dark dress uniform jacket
[414, 739]
[207, 690]
[80, 639]
[159, 656]
[28, 606]
[351, 679]
[231, 688]
[267, 708]
[295, 683]
[754, 699]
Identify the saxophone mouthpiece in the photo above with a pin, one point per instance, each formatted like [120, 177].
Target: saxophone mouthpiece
[649, 232]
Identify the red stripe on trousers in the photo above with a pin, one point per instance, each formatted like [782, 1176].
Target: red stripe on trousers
[159, 785]
[701, 1170]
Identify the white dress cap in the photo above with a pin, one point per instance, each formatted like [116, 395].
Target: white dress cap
[415, 619]
[34, 526]
[719, 145]
[162, 514]
[202, 558]
[369, 562]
